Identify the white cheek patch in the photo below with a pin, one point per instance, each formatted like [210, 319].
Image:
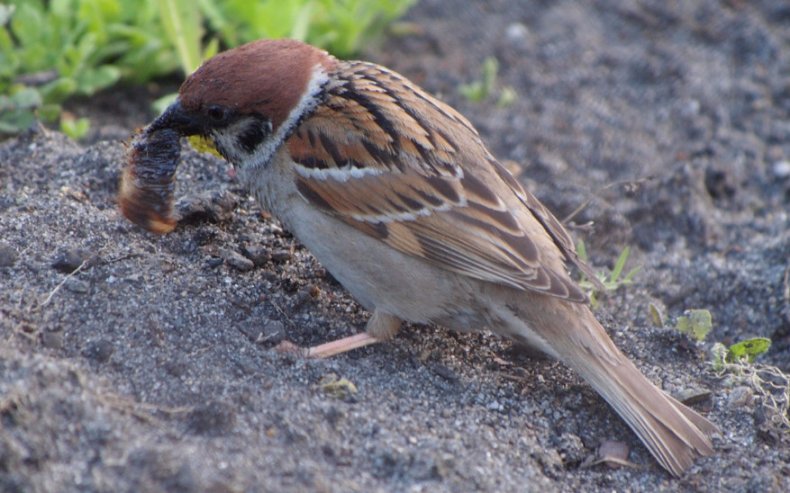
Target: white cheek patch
[307, 103]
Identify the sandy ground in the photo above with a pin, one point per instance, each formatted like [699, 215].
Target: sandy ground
[150, 367]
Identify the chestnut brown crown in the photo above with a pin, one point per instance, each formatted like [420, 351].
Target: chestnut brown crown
[267, 77]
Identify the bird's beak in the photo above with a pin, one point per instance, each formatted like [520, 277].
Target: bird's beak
[187, 125]
[176, 118]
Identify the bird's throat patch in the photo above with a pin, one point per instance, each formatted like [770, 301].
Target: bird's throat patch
[203, 144]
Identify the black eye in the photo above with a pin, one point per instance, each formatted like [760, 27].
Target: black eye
[217, 114]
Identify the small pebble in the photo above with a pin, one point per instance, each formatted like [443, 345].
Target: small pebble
[176, 368]
[693, 396]
[333, 416]
[740, 396]
[449, 375]
[214, 262]
[77, 286]
[52, 339]
[302, 297]
[263, 331]
[69, 260]
[212, 419]
[8, 255]
[691, 108]
[237, 260]
[494, 406]
[281, 256]
[570, 447]
[213, 207]
[99, 351]
[258, 254]
[781, 169]
[516, 32]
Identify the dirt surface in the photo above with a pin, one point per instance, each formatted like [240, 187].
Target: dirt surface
[150, 367]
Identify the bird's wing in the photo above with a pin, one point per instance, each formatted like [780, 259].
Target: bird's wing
[400, 166]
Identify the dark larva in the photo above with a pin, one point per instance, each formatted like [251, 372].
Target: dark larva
[148, 180]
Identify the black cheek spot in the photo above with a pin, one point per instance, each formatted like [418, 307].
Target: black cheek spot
[253, 135]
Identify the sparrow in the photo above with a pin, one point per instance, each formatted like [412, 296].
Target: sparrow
[396, 194]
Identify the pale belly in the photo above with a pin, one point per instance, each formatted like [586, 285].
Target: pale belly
[382, 278]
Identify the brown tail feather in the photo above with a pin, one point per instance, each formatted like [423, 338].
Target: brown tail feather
[675, 434]
[699, 421]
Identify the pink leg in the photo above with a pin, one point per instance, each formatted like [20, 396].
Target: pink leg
[333, 348]
[384, 326]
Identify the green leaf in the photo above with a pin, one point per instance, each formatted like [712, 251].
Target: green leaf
[23, 97]
[17, 111]
[490, 70]
[75, 128]
[473, 92]
[619, 264]
[719, 356]
[581, 251]
[301, 24]
[93, 80]
[211, 49]
[58, 90]
[629, 277]
[182, 24]
[26, 24]
[479, 90]
[49, 112]
[507, 96]
[696, 323]
[655, 315]
[749, 349]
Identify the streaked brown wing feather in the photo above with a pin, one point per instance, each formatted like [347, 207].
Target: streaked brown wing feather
[372, 157]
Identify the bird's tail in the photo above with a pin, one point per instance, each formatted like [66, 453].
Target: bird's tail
[675, 434]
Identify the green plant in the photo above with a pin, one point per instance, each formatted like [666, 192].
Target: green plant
[480, 89]
[487, 86]
[696, 323]
[744, 351]
[343, 26]
[340, 26]
[17, 108]
[183, 28]
[62, 48]
[611, 280]
[737, 363]
[507, 96]
[52, 50]
[76, 128]
[769, 383]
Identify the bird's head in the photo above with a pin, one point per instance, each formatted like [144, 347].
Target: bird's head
[247, 101]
